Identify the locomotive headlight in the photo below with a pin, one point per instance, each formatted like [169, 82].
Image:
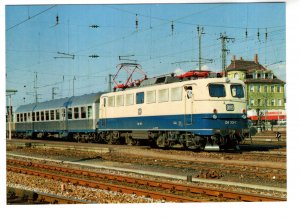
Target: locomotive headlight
[244, 116]
[215, 116]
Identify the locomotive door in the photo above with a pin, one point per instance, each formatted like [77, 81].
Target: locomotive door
[103, 105]
[188, 104]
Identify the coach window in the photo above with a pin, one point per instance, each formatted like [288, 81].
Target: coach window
[29, 116]
[129, 99]
[90, 112]
[33, 116]
[63, 113]
[51, 114]
[163, 95]
[38, 116]
[76, 112]
[83, 112]
[150, 97]
[176, 94]
[21, 117]
[140, 98]
[216, 90]
[47, 115]
[69, 113]
[42, 116]
[57, 114]
[111, 101]
[18, 117]
[120, 100]
[25, 117]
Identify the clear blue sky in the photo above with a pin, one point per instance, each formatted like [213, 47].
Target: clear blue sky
[32, 44]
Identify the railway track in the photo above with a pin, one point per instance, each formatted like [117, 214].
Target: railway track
[22, 196]
[157, 190]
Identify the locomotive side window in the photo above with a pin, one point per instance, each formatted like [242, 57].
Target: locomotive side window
[76, 112]
[237, 91]
[69, 113]
[151, 97]
[216, 90]
[163, 95]
[111, 101]
[140, 97]
[176, 94]
[83, 112]
[90, 112]
[129, 99]
[120, 100]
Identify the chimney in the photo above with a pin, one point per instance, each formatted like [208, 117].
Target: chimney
[241, 58]
[233, 60]
[256, 58]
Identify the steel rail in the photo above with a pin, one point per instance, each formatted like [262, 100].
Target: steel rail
[105, 186]
[164, 185]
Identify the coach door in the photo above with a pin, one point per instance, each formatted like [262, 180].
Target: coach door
[188, 104]
[103, 106]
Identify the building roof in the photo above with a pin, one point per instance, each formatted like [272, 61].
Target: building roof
[271, 81]
[241, 65]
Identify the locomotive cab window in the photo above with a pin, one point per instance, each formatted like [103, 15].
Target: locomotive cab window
[216, 90]
[140, 98]
[237, 91]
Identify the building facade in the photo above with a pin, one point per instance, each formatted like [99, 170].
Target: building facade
[265, 92]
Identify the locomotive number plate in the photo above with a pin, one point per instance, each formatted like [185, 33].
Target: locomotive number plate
[230, 107]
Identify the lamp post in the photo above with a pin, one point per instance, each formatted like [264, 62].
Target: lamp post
[9, 93]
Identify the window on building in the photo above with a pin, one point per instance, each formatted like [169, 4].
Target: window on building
[279, 102]
[140, 97]
[176, 94]
[273, 102]
[278, 88]
[83, 111]
[150, 96]
[237, 91]
[251, 102]
[47, 115]
[120, 100]
[265, 88]
[258, 76]
[216, 90]
[129, 99]
[163, 95]
[111, 101]
[51, 114]
[251, 87]
[69, 113]
[90, 112]
[266, 102]
[272, 88]
[258, 102]
[236, 76]
[258, 88]
[76, 112]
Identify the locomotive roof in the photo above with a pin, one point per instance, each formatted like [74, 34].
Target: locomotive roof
[63, 102]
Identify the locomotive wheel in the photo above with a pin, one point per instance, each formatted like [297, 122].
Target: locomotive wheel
[161, 141]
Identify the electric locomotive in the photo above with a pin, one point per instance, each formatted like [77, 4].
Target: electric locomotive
[171, 111]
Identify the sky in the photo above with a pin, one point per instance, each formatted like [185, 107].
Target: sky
[55, 55]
